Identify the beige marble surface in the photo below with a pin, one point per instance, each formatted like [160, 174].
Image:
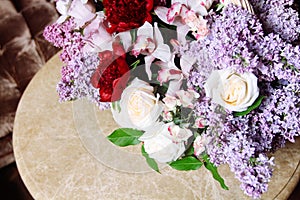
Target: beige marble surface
[61, 153]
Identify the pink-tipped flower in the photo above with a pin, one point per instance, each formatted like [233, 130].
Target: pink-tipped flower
[150, 43]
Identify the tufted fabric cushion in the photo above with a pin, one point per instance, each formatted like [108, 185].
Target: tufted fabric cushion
[23, 51]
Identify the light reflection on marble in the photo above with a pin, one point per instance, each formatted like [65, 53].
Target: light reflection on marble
[56, 162]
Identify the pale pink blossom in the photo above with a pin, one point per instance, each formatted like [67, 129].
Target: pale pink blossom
[179, 134]
[206, 3]
[98, 39]
[177, 14]
[170, 102]
[200, 144]
[197, 25]
[199, 123]
[150, 43]
[186, 98]
[165, 75]
[167, 116]
[79, 10]
[169, 72]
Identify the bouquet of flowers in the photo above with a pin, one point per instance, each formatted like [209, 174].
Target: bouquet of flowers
[195, 82]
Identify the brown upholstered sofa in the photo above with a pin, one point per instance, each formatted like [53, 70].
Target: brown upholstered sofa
[23, 51]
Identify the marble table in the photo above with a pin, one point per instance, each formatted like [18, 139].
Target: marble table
[61, 153]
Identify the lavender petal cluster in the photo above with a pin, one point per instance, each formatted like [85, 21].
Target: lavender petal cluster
[79, 68]
[65, 36]
[75, 81]
[244, 141]
[237, 40]
[237, 147]
[278, 16]
[83, 87]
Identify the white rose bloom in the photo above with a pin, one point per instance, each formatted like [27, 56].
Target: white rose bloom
[159, 144]
[139, 107]
[233, 91]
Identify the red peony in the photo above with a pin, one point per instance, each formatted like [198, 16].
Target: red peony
[124, 15]
[111, 75]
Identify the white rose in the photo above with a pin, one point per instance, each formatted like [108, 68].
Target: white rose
[233, 91]
[139, 107]
[161, 145]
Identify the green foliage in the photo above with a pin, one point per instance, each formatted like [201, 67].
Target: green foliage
[255, 105]
[151, 162]
[186, 163]
[214, 171]
[125, 136]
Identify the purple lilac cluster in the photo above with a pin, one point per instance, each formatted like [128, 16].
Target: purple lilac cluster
[278, 16]
[76, 74]
[244, 141]
[66, 87]
[278, 58]
[237, 40]
[225, 47]
[66, 37]
[83, 87]
[237, 146]
[75, 81]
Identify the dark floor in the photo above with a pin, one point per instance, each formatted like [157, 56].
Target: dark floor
[13, 188]
[11, 185]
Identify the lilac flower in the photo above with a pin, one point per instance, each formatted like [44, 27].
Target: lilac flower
[65, 87]
[87, 66]
[238, 41]
[277, 16]
[75, 81]
[65, 36]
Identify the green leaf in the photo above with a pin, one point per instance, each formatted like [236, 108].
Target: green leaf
[214, 170]
[255, 105]
[135, 64]
[133, 34]
[125, 136]
[116, 106]
[186, 163]
[190, 151]
[151, 162]
[219, 7]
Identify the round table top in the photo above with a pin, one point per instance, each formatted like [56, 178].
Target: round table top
[56, 154]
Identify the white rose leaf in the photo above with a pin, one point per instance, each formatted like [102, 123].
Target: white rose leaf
[255, 105]
[125, 136]
[214, 171]
[186, 163]
[150, 161]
